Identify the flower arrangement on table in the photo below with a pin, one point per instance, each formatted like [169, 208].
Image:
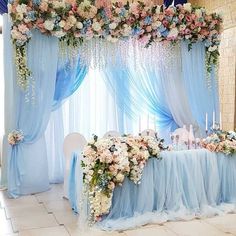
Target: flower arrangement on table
[74, 21]
[221, 141]
[107, 161]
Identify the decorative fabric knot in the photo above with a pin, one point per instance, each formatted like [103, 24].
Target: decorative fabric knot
[15, 137]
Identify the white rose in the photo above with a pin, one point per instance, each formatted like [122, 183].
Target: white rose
[158, 10]
[49, 25]
[173, 33]
[187, 7]
[198, 13]
[212, 48]
[22, 8]
[112, 26]
[79, 25]
[96, 26]
[120, 177]
[62, 23]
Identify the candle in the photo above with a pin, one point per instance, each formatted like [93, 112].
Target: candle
[220, 121]
[140, 128]
[206, 122]
[213, 119]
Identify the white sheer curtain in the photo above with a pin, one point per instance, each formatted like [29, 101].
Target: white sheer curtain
[93, 110]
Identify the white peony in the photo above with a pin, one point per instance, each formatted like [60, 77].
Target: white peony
[173, 33]
[49, 25]
[22, 8]
[187, 7]
[112, 26]
[198, 13]
[79, 25]
[96, 26]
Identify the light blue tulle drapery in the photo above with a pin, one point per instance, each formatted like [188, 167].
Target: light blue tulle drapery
[53, 83]
[69, 78]
[202, 95]
[183, 185]
[27, 161]
[169, 89]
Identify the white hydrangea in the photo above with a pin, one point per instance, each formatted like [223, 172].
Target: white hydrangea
[96, 26]
[22, 8]
[79, 25]
[187, 7]
[112, 26]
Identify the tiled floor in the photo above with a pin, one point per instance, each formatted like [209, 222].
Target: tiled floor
[48, 214]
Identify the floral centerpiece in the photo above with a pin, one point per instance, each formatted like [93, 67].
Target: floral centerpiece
[75, 21]
[221, 141]
[106, 162]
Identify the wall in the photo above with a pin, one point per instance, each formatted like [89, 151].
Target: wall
[227, 68]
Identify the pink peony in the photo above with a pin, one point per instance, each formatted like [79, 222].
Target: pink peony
[23, 28]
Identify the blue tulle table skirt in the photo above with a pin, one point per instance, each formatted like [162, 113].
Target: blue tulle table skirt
[182, 186]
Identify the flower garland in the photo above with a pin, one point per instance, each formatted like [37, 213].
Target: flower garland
[106, 162]
[221, 141]
[15, 137]
[74, 21]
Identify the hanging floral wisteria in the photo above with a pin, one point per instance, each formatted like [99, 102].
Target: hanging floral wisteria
[141, 23]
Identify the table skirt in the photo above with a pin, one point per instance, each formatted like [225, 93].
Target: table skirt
[182, 186]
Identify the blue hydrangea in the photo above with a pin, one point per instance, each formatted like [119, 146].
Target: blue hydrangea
[31, 15]
[136, 31]
[148, 20]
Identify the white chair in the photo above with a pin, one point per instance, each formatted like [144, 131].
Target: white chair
[73, 142]
[111, 133]
[149, 132]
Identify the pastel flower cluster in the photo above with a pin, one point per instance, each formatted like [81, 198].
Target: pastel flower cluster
[15, 137]
[221, 141]
[113, 20]
[106, 162]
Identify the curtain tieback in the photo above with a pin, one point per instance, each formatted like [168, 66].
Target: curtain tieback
[15, 137]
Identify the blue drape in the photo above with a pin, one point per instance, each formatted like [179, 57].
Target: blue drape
[69, 78]
[27, 166]
[3, 7]
[202, 95]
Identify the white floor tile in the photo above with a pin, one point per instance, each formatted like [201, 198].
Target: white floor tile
[66, 217]
[194, 228]
[62, 205]
[49, 196]
[24, 200]
[150, 231]
[226, 223]
[25, 210]
[50, 231]
[75, 230]
[32, 222]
